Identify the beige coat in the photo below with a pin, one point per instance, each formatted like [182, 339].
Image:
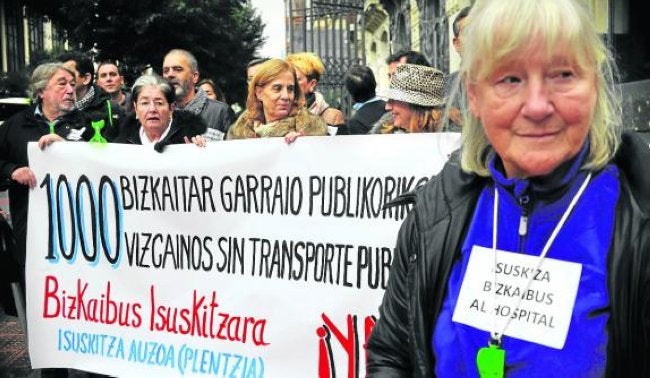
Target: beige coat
[303, 121]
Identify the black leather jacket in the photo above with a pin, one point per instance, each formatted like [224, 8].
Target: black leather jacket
[429, 243]
[184, 124]
[101, 107]
[15, 133]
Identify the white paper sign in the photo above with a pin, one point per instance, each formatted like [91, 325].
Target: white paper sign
[543, 315]
[248, 258]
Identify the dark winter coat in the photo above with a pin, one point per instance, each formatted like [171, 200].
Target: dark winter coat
[361, 122]
[101, 107]
[429, 244]
[184, 124]
[15, 133]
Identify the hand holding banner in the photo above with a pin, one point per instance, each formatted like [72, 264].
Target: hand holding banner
[245, 258]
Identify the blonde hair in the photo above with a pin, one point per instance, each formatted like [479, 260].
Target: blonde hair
[424, 119]
[308, 63]
[267, 72]
[496, 30]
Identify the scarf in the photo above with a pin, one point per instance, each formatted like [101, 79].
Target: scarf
[303, 121]
[81, 104]
[317, 105]
[196, 105]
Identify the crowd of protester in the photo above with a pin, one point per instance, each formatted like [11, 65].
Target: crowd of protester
[72, 101]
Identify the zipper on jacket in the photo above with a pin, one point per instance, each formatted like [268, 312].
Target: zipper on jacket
[524, 203]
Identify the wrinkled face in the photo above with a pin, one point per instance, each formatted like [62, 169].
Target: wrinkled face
[277, 96]
[207, 88]
[109, 79]
[152, 110]
[58, 95]
[401, 112]
[306, 86]
[536, 110]
[176, 69]
[80, 80]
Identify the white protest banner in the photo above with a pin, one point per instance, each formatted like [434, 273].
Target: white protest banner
[247, 258]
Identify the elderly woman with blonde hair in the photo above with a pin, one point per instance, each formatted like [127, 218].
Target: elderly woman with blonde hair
[529, 254]
[274, 106]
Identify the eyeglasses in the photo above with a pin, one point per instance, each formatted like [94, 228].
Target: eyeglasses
[158, 105]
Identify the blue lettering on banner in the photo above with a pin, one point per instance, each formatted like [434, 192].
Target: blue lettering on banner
[152, 353]
[196, 361]
[90, 343]
[188, 360]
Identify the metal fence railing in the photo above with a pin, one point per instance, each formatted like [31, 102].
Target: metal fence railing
[333, 30]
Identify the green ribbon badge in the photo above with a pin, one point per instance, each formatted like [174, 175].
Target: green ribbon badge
[97, 137]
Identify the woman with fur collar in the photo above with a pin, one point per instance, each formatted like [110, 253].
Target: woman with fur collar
[274, 107]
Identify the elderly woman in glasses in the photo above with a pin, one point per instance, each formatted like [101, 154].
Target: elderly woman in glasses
[529, 254]
[274, 107]
[155, 123]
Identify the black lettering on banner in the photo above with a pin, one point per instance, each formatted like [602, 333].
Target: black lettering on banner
[358, 197]
[341, 196]
[389, 194]
[376, 192]
[84, 183]
[328, 196]
[171, 251]
[67, 252]
[128, 198]
[231, 255]
[315, 189]
[295, 193]
[251, 199]
[105, 182]
[261, 194]
[374, 265]
[167, 193]
[328, 263]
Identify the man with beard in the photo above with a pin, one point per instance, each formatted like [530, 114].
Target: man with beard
[181, 69]
[51, 118]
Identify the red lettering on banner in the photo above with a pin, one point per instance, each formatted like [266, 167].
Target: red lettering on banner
[349, 341]
[51, 288]
[202, 319]
[325, 359]
[81, 305]
[369, 324]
